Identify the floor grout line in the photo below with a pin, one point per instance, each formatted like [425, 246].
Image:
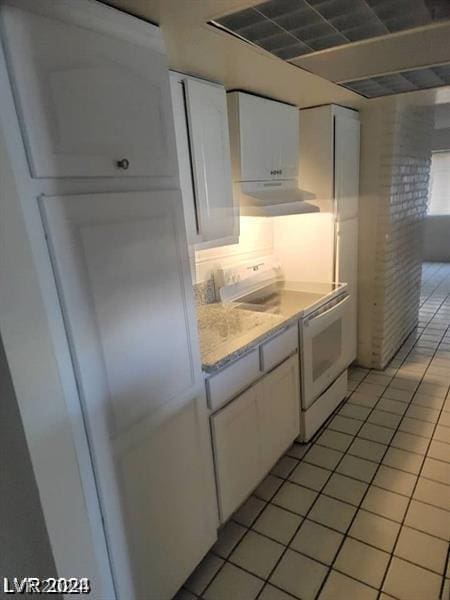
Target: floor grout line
[411, 495]
[332, 472]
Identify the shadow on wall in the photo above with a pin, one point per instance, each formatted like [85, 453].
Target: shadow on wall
[25, 548]
[436, 238]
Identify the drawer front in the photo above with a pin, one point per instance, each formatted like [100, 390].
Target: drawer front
[279, 348]
[233, 379]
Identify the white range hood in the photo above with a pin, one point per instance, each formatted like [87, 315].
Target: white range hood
[264, 137]
[274, 198]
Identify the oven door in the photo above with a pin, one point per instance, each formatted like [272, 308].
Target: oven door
[323, 351]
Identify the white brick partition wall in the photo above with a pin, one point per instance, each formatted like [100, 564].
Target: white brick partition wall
[395, 164]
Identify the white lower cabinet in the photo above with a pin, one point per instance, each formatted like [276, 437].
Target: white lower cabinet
[236, 435]
[279, 410]
[252, 432]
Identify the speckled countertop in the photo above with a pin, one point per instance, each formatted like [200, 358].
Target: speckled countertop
[226, 332]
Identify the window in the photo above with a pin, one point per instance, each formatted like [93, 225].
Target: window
[439, 200]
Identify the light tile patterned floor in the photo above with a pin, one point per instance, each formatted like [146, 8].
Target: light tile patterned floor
[363, 512]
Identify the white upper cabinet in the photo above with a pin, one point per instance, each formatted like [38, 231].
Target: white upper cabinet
[206, 105]
[286, 137]
[264, 138]
[90, 104]
[203, 147]
[329, 158]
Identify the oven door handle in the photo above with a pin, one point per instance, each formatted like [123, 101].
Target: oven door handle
[313, 320]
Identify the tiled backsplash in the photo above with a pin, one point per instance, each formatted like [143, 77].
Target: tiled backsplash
[396, 150]
[205, 292]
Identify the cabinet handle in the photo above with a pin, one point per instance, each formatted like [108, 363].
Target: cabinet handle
[276, 172]
[123, 163]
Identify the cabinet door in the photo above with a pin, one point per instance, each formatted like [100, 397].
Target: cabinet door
[347, 254]
[316, 161]
[236, 438]
[346, 166]
[279, 411]
[190, 207]
[88, 100]
[347, 271]
[268, 139]
[286, 135]
[122, 272]
[206, 108]
[256, 135]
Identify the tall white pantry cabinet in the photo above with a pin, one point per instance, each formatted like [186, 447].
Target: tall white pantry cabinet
[329, 168]
[87, 130]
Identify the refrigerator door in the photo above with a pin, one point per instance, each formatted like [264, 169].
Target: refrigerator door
[121, 267]
[346, 166]
[347, 271]
[347, 254]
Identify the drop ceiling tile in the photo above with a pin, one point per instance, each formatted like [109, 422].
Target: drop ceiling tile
[334, 8]
[416, 79]
[407, 21]
[296, 49]
[298, 19]
[259, 31]
[277, 8]
[241, 19]
[423, 77]
[440, 9]
[391, 9]
[364, 32]
[276, 42]
[443, 72]
[330, 41]
[354, 19]
[313, 32]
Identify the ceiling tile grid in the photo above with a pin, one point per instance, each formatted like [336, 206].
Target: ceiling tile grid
[292, 28]
[405, 81]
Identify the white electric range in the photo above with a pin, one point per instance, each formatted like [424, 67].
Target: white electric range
[322, 310]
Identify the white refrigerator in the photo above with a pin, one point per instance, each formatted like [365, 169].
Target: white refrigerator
[346, 195]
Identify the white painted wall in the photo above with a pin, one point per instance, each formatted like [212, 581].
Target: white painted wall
[24, 539]
[255, 240]
[436, 238]
[395, 161]
[304, 245]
